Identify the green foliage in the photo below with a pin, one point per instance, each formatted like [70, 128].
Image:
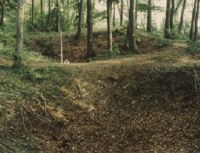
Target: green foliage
[160, 43]
[143, 7]
[194, 47]
[99, 15]
[175, 35]
[7, 39]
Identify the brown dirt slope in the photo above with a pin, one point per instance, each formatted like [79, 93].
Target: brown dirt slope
[144, 103]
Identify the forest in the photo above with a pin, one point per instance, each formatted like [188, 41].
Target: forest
[99, 76]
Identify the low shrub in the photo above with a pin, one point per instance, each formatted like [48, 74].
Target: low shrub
[194, 47]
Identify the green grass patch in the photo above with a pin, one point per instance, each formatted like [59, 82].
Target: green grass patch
[194, 47]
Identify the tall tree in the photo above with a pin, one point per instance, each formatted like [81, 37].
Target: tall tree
[172, 10]
[90, 50]
[196, 22]
[192, 27]
[132, 39]
[109, 24]
[2, 7]
[48, 17]
[149, 16]
[19, 33]
[180, 27]
[59, 29]
[32, 11]
[167, 20]
[114, 14]
[122, 13]
[42, 14]
[80, 20]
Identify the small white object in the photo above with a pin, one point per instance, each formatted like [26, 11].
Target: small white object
[66, 61]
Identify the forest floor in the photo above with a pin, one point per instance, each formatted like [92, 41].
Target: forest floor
[131, 104]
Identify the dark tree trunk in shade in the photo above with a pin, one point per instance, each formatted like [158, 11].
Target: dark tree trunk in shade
[109, 24]
[167, 20]
[180, 27]
[192, 27]
[80, 20]
[196, 22]
[149, 16]
[90, 51]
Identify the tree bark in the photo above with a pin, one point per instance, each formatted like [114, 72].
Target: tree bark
[180, 27]
[49, 17]
[90, 51]
[80, 20]
[132, 39]
[19, 33]
[32, 12]
[193, 21]
[122, 13]
[149, 16]
[114, 14]
[2, 13]
[109, 24]
[42, 14]
[196, 22]
[172, 14]
[167, 20]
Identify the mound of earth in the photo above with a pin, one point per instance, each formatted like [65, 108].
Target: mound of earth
[109, 106]
[75, 51]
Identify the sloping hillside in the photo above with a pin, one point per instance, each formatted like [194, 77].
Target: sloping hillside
[141, 103]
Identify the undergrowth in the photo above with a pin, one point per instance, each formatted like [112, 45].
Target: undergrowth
[25, 82]
[194, 47]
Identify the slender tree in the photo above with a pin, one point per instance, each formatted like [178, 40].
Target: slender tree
[192, 27]
[180, 27]
[167, 30]
[19, 33]
[122, 13]
[80, 20]
[114, 14]
[149, 16]
[196, 22]
[42, 14]
[48, 17]
[109, 24]
[172, 10]
[2, 3]
[90, 50]
[132, 39]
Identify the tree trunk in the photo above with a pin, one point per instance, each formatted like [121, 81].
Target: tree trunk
[80, 21]
[19, 33]
[167, 20]
[136, 13]
[109, 24]
[193, 21]
[180, 27]
[90, 51]
[172, 14]
[114, 13]
[49, 17]
[196, 22]
[59, 29]
[132, 40]
[42, 14]
[32, 12]
[149, 16]
[2, 13]
[122, 13]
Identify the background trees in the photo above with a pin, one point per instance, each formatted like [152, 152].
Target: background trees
[107, 15]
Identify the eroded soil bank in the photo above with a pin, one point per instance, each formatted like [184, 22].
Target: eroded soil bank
[114, 106]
